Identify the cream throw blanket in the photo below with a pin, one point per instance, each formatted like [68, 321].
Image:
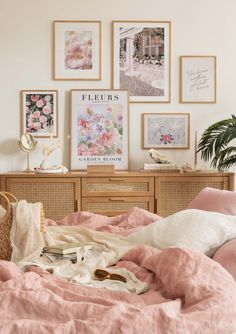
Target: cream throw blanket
[26, 239]
[98, 249]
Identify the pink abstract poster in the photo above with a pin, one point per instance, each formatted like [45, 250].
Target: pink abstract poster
[78, 50]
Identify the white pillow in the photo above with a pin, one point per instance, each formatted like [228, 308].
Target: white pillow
[195, 229]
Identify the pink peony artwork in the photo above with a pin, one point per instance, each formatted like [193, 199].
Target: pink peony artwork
[39, 113]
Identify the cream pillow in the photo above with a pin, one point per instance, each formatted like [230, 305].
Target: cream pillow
[194, 229]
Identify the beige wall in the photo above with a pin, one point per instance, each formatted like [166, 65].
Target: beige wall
[198, 27]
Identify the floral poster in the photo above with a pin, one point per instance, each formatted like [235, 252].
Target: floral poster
[39, 113]
[77, 50]
[141, 60]
[165, 130]
[99, 128]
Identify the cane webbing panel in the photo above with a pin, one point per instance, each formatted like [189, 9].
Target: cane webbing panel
[175, 195]
[58, 198]
[114, 206]
[118, 187]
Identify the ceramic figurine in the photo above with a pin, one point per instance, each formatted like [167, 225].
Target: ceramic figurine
[159, 158]
[48, 149]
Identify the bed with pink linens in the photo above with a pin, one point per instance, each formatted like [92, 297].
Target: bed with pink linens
[184, 266]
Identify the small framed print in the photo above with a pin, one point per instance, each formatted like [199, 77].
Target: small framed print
[77, 50]
[99, 128]
[39, 113]
[198, 79]
[164, 130]
[141, 59]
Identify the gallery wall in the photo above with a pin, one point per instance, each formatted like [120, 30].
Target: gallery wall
[203, 27]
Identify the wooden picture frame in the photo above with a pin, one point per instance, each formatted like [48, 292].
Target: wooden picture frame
[198, 79]
[165, 130]
[99, 128]
[142, 59]
[39, 113]
[77, 50]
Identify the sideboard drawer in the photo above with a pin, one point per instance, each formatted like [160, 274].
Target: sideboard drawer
[111, 206]
[118, 186]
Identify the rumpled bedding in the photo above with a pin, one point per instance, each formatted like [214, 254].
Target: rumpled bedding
[123, 225]
[188, 292]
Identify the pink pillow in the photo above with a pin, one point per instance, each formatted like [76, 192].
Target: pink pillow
[226, 256]
[210, 199]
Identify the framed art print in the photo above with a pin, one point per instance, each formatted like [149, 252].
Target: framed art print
[40, 113]
[198, 79]
[165, 130]
[99, 128]
[141, 59]
[77, 50]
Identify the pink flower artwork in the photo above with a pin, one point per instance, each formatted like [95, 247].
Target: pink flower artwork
[165, 130]
[166, 138]
[100, 130]
[106, 139]
[42, 119]
[36, 114]
[34, 98]
[48, 98]
[78, 50]
[84, 124]
[47, 109]
[39, 113]
[40, 103]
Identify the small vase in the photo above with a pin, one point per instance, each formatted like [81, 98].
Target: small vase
[44, 164]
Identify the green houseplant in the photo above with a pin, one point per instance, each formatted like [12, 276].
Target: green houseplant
[215, 144]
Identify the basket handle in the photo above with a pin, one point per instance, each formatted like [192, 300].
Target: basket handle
[7, 196]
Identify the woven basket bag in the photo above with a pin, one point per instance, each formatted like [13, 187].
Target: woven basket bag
[5, 224]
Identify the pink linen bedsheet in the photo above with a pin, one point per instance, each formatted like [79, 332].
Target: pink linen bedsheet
[188, 292]
[121, 225]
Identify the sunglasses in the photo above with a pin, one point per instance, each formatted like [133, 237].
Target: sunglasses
[101, 275]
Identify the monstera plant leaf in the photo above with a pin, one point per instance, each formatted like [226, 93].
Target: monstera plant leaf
[216, 144]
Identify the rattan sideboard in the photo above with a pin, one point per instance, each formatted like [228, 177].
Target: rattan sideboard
[114, 193]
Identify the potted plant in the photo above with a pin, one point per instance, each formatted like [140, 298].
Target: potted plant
[216, 143]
